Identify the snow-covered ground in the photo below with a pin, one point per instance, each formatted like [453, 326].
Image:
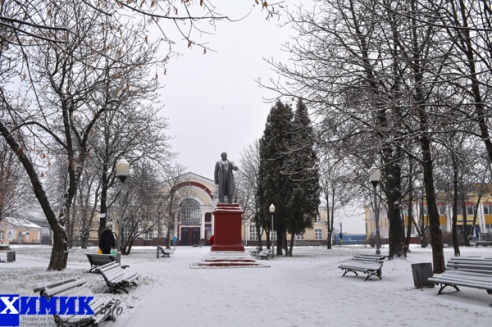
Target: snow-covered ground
[304, 290]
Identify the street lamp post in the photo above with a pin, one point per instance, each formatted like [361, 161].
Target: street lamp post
[374, 178]
[122, 170]
[272, 211]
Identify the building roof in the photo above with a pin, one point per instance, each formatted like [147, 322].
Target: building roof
[19, 222]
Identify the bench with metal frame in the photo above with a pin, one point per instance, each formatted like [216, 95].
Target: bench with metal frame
[369, 264]
[162, 250]
[97, 260]
[117, 277]
[468, 272]
[483, 243]
[102, 308]
[4, 245]
[264, 255]
[261, 254]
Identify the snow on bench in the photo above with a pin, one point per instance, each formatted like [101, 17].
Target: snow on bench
[97, 260]
[468, 272]
[261, 254]
[369, 264]
[483, 243]
[163, 251]
[103, 308]
[117, 277]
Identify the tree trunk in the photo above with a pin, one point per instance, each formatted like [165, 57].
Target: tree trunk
[170, 226]
[425, 142]
[104, 198]
[465, 217]
[285, 245]
[84, 241]
[279, 242]
[59, 251]
[475, 213]
[454, 229]
[393, 196]
[422, 219]
[329, 222]
[292, 241]
[410, 210]
[258, 232]
[435, 228]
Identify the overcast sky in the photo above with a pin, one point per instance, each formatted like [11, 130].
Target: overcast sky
[212, 100]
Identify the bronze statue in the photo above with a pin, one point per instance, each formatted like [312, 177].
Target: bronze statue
[224, 178]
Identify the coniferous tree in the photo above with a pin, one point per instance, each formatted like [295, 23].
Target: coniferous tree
[274, 186]
[303, 171]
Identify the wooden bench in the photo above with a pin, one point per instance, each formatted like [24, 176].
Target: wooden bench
[483, 243]
[255, 251]
[97, 260]
[4, 245]
[163, 251]
[103, 309]
[468, 272]
[117, 277]
[369, 264]
[262, 255]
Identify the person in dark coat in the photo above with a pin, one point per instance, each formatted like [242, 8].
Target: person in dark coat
[106, 241]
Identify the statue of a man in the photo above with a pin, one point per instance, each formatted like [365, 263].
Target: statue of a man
[224, 178]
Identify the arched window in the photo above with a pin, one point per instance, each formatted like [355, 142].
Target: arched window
[191, 212]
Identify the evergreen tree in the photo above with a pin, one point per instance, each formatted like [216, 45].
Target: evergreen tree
[303, 171]
[274, 186]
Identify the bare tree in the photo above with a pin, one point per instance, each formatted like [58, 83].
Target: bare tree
[141, 205]
[69, 41]
[247, 185]
[15, 190]
[468, 24]
[174, 190]
[338, 190]
[66, 82]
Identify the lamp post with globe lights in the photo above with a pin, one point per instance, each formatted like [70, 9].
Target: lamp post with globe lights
[272, 211]
[122, 170]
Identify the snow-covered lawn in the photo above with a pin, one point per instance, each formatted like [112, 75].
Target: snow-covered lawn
[304, 290]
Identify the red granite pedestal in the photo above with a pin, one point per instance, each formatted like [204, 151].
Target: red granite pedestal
[227, 228]
[227, 250]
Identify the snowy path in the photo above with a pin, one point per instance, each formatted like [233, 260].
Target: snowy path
[301, 291]
[306, 290]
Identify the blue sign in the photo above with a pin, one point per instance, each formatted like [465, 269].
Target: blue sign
[12, 306]
[9, 310]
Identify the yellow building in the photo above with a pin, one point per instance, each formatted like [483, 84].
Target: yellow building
[420, 214]
[19, 231]
[316, 236]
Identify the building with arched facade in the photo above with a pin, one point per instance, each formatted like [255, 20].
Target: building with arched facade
[194, 223]
[194, 220]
